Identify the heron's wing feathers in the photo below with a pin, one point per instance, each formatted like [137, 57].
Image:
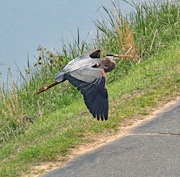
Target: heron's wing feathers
[87, 73]
[91, 54]
[95, 54]
[95, 96]
[80, 60]
[59, 76]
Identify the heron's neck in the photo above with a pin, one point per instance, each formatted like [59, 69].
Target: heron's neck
[108, 65]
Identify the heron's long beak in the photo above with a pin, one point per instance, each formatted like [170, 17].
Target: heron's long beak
[122, 56]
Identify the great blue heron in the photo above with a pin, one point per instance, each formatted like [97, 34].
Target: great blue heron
[87, 73]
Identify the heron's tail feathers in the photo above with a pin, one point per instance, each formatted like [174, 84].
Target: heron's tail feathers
[59, 77]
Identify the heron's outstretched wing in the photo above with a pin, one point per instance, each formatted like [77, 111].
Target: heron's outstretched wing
[87, 73]
[80, 60]
[95, 96]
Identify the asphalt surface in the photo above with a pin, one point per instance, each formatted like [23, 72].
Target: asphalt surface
[150, 150]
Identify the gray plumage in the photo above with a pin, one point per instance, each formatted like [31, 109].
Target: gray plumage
[82, 68]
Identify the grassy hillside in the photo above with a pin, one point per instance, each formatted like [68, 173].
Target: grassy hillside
[53, 136]
[35, 129]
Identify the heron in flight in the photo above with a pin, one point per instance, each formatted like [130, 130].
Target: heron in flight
[87, 73]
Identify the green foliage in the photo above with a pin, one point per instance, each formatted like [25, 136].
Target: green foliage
[145, 30]
[155, 25]
[54, 134]
[50, 60]
[20, 107]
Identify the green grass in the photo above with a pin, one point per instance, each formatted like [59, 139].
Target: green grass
[54, 135]
[144, 31]
[43, 128]
[19, 107]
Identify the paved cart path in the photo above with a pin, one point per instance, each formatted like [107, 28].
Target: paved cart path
[151, 149]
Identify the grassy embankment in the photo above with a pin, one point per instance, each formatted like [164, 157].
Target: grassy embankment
[42, 128]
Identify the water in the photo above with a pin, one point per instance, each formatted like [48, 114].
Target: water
[27, 24]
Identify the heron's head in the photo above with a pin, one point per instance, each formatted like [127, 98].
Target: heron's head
[109, 63]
